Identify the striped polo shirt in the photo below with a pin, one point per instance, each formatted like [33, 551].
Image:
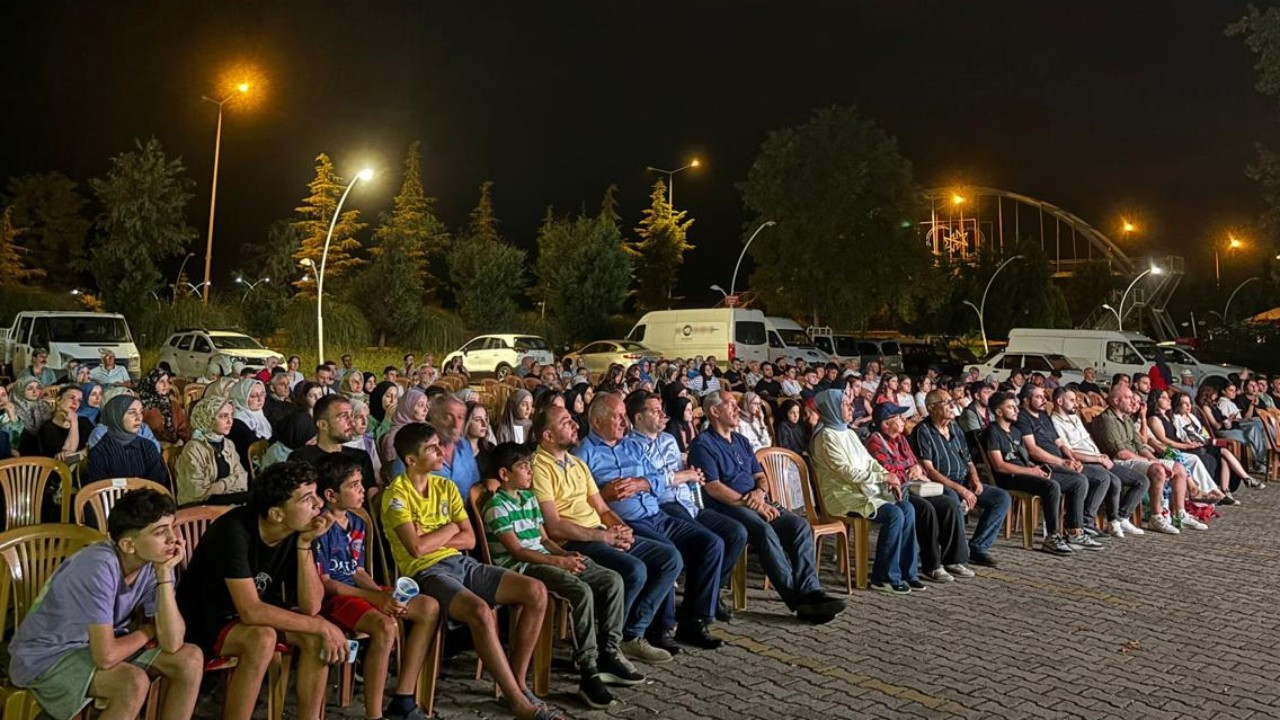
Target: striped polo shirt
[949, 455]
[518, 513]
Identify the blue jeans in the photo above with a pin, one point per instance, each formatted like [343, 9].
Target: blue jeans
[785, 547]
[896, 551]
[730, 532]
[649, 571]
[994, 503]
[703, 556]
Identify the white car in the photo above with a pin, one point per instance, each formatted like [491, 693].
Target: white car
[1181, 359]
[190, 352]
[498, 355]
[599, 355]
[1002, 364]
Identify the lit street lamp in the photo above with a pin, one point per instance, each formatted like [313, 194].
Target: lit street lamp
[982, 310]
[1226, 310]
[1153, 270]
[720, 290]
[251, 285]
[671, 178]
[241, 89]
[1233, 244]
[366, 175]
[1115, 312]
[733, 283]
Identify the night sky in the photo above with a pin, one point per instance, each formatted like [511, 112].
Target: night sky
[1141, 107]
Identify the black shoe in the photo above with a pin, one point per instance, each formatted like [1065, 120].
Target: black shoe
[663, 641]
[820, 603]
[593, 692]
[724, 611]
[694, 633]
[617, 670]
[917, 585]
[983, 559]
[815, 618]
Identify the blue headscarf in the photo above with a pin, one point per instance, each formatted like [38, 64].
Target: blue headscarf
[830, 410]
[89, 413]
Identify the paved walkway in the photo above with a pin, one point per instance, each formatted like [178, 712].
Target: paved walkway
[1152, 627]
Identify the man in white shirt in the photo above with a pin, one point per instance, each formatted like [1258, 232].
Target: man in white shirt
[109, 373]
[1251, 427]
[1133, 480]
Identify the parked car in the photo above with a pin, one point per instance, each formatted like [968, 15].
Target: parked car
[191, 351]
[787, 340]
[1002, 364]
[1180, 359]
[78, 336]
[599, 355]
[726, 333]
[836, 346]
[498, 355]
[949, 359]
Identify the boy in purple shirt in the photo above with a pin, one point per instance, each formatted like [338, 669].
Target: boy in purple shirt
[89, 634]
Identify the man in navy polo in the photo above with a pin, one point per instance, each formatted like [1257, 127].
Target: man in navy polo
[735, 486]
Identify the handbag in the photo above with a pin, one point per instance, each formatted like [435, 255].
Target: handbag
[925, 489]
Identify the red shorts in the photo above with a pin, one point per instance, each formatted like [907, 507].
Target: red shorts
[226, 629]
[345, 610]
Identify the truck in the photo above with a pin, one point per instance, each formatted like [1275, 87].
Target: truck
[79, 336]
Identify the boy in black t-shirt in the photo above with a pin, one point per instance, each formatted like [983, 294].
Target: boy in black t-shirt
[233, 594]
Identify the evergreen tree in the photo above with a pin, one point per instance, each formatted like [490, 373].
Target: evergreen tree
[422, 238]
[265, 306]
[312, 225]
[50, 210]
[487, 273]
[659, 252]
[144, 200]
[584, 273]
[13, 271]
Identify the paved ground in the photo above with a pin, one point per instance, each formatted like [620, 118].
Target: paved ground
[1153, 627]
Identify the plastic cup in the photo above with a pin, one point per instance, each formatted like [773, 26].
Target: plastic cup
[405, 590]
[353, 647]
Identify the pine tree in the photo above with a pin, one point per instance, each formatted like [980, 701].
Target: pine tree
[50, 210]
[487, 273]
[659, 252]
[584, 273]
[422, 238]
[13, 271]
[314, 215]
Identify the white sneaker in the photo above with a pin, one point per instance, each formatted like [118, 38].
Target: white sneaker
[960, 571]
[1130, 528]
[1115, 529]
[1161, 524]
[939, 575]
[1185, 519]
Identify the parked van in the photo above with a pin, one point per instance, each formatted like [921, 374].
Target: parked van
[78, 336]
[788, 340]
[1109, 351]
[726, 333]
[835, 345]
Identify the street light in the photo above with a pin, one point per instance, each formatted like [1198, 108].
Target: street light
[1226, 310]
[252, 285]
[957, 199]
[365, 174]
[241, 89]
[1233, 244]
[183, 266]
[671, 178]
[1153, 270]
[982, 311]
[1115, 312]
[720, 290]
[733, 284]
[1127, 227]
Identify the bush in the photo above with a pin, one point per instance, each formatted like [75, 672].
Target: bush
[344, 324]
[440, 331]
[17, 298]
[156, 321]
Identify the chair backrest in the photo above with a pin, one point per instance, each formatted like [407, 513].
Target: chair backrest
[488, 384]
[30, 555]
[22, 484]
[102, 495]
[512, 380]
[778, 464]
[371, 544]
[191, 394]
[191, 522]
[532, 383]
[478, 497]
[169, 453]
[256, 451]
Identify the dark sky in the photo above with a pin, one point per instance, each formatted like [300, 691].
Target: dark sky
[1099, 107]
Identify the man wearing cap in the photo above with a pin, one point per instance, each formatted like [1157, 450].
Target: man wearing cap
[1090, 383]
[977, 417]
[1188, 384]
[944, 455]
[109, 373]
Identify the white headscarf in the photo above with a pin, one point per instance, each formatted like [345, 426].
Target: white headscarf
[256, 421]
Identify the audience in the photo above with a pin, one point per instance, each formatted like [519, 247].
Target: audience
[1134, 482]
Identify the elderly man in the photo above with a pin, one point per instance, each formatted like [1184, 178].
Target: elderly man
[577, 517]
[1117, 436]
[279, 405]
[944, 455]
[633, 486]
[109, 373]
[1188, 384]
[549, 376]
[735, 486]
[1133, 480]
[682, 498]
[448, 415]
[1090, 384]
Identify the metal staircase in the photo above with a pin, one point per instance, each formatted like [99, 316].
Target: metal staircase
[1148, 301]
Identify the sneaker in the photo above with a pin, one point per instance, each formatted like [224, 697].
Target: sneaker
[1115, 529]
[1186, 519]
[1094, 532]
[960, 571]
[694, 633]
[977, 557]
[1130, 528]
[593, 692]
[1057, 545]
[1228, 500]
[1161, 524]
[640, 649]
[617, 670]
[915, 584]
[939, 575]
[1084, 540]
[898, 589]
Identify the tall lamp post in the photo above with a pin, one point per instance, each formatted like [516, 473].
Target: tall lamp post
[251, 286]
[1233, 244]
[671, 178]
[1153, 270]
[1115, 312]
[1239, 287]
[365, 175]
[982, 310]
[733, 283]
[241, 89]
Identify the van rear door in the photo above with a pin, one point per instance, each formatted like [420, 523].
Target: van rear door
[750, 341]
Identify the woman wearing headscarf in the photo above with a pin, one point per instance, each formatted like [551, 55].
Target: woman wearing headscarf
[10, 423]
[160, 411]
[30, 408]
[751, 422]
[91, 406]
[292, 432]
[680, 423]
[121, 453]
[851, 483]
[382, 405]
[791, 432]
[576, 402]
[362, 439]
[370, 382]
[248, 424]
[412, 408]
[209, 470]
[517, 419]
[352, 386]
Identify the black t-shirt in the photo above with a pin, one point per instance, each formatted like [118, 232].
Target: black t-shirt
[734, 378]
[1243, 402]
[232, 549]
[1042, 429]
[311, 454]
[769, 387]
[47, 440]
[1087, 386]
[1009, 444]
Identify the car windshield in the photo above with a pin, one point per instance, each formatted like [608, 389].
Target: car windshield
[1145, 348]
[235, 342]
[846, 346]
[85, 329]
[529, 342]
[890, 348]
[795, 338]
[1060, 362]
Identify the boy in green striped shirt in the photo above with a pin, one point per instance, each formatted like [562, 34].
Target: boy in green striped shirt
[517, 540]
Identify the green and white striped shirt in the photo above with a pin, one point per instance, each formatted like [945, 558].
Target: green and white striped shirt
[518, 513]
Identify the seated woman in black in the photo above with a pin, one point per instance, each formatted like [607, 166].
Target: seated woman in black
[121, 453]
[64, 435]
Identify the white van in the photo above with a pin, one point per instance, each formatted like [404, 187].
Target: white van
[726, 333]
[788, 340]
[1109, 351]
[71, 336]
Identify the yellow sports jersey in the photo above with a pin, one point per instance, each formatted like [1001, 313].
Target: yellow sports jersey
[402, 504]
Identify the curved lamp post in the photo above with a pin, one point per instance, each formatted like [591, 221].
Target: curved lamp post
[982, 310]
[1153, 270]
[365, 174]
[1227, 310]
[1106, 306]
[733, 283]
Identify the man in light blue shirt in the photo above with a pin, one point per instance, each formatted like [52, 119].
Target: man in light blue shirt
[682, 499]
[447, 415]
[631, 485]
[109, 373]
